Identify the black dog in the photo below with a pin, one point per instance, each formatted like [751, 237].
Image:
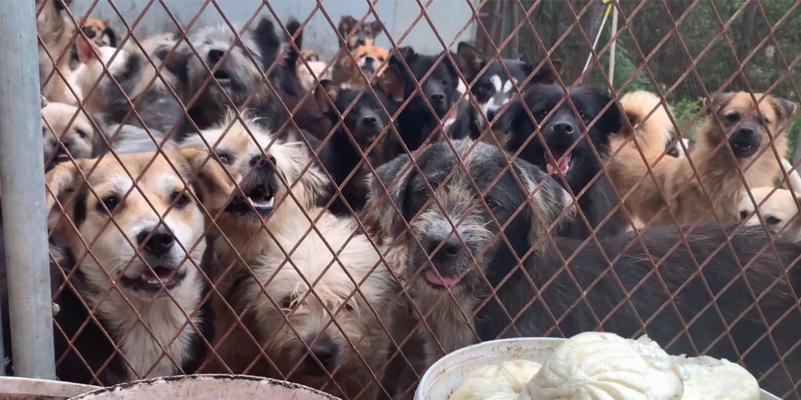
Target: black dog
[365, 132]
[470, 242]
[492, 83]
[570, 152]
[416, 121]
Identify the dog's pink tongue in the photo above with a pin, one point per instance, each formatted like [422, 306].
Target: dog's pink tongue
[562, 167]
[435, 279]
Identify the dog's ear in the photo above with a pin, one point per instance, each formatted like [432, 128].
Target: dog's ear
[62, 181]
[469, 61]
[112, 37]
[214, 184]
[326, 89]
[612, 119]
[379, 211]
[718, 101]
[377, 27]
[785, 109]
[407, 53]
[549, 200]
[546, 74]
[177, 63]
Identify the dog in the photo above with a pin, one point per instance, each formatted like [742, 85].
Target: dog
[478, 248]
[735, 136]
[365, 137]
[778, 210]
[320, 318]
[639, 143]
[425, 113]
[313, 70]
[68, 134]
[354, 34]
[366, 63]
[564, 150]
[492, 87]
[55, 33]
[99, 32]
[141, 280]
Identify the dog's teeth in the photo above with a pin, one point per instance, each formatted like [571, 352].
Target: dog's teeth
[261, 204]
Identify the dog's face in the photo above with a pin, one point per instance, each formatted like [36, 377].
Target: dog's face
[459, 232]
[72, 134]
[311, 343]
[264, 170]
[492, 86]
[778, 209]
[356, 34]
[371, 60]
[159, 218]
[748, 126]
[99, 32]
[561, 127]
[439, 88]
[363, 113]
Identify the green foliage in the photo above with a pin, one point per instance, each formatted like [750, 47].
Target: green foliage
[794, 134]
[687, 113]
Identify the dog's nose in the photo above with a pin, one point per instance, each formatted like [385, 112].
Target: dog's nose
[214, 56]
[156, 243]
[746, 132]
[368, 60]
[563, 128]
[438, 98]
[443, 250]
[326, 353]
[90, 33]
[370, 121]
[262, 162]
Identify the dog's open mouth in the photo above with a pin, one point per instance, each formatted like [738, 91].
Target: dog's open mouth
[260, 199]
[437, 280]
[743, 148]
[562, 164]
[222, 76]
[154, 279]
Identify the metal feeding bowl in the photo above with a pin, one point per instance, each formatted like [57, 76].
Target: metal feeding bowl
[449, 372]
[200, 387]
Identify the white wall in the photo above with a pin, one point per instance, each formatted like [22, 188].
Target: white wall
[448, 16]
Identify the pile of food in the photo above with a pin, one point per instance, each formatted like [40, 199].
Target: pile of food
[604, 366]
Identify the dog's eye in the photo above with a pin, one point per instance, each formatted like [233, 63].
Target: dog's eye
[540, 115]
[743, 215]
[286, 304]
[444, 82]
[81, 133]
[772, 220]
[179, 198]
[381, 59]
[110, 202]
[226, 158]
[732, 117]
[766, 121]
[348, 307]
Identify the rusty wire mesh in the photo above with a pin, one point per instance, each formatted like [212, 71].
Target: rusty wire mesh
[313, 118]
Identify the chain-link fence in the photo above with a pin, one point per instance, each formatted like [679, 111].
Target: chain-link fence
[225, 198]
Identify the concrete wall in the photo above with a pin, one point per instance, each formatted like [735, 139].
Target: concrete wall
[450, 17]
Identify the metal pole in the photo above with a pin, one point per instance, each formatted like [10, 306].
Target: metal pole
[23, 194]
[613, 48]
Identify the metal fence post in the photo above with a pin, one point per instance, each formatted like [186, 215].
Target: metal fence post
[23, 194]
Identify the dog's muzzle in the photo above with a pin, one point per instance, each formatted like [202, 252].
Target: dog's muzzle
[259, 189]
[745, 142]
[448, 261]
[160, 268]
[324, 357]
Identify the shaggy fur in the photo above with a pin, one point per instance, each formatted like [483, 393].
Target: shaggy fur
[734, 136]
[561, 141]
[777, 208]
[455, 292]
[141, 280]
[366, 133]
[329, 336]
[416, 121]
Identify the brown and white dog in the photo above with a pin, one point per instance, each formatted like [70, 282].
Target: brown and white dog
[67, 132]
[357, 34]
[136, 232]
[736, 135]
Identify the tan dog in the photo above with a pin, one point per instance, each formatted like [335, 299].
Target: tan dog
[139, 274]
[631, 150]
[370, 61]
[779, 211]
[67, 132]
[55, 32]
[315, 71]
[741, 140]
[323, 331]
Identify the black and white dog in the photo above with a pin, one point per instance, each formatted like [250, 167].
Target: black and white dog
[484, 231]
[492, 83]
[569, 138]
[439, 92]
